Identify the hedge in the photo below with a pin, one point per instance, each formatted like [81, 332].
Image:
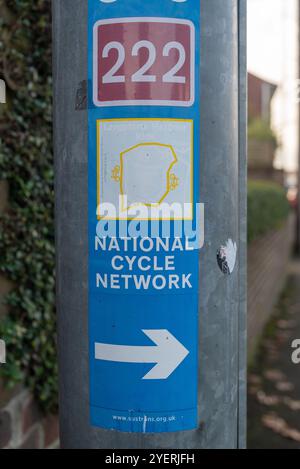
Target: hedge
[26, 231]
[267, 208]
[260, 130]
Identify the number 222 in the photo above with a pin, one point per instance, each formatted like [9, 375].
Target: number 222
[141, 75]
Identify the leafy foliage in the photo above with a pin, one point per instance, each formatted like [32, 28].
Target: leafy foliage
[260, 130]
[27, 229]
[267, 208]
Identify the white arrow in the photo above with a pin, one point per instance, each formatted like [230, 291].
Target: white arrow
[168, 353]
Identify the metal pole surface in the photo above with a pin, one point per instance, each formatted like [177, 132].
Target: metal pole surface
[222, 299]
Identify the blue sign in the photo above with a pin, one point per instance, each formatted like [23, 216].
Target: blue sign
[144, 149]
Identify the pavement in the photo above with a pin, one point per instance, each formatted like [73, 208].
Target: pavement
[274, 380]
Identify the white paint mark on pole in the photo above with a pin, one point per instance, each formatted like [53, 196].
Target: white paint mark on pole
[226, 257]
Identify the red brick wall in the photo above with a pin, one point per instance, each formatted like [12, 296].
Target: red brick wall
[22, 426]
[268, 259]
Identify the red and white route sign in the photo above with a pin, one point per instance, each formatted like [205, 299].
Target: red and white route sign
[144, 61]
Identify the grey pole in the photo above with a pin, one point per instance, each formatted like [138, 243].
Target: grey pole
[222, 312]
[243, 177]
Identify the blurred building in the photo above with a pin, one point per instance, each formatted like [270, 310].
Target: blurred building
[262, 140]
[273, 56]
[260, 94]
